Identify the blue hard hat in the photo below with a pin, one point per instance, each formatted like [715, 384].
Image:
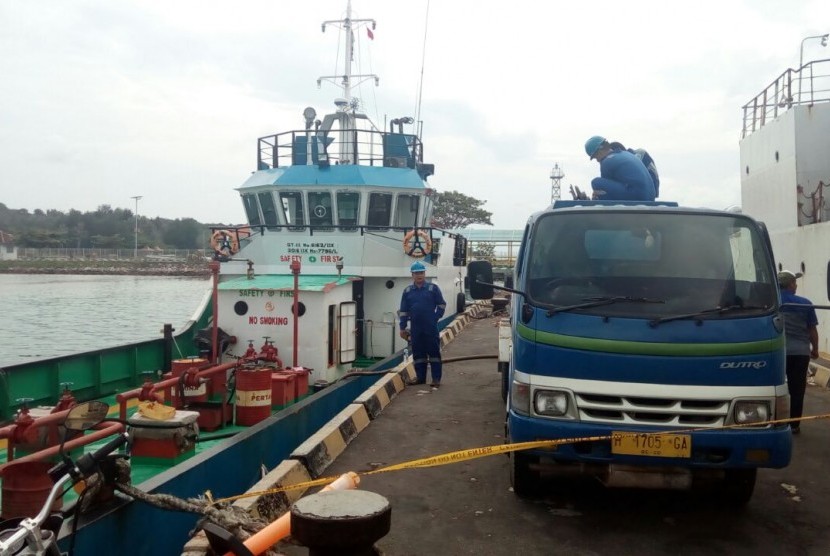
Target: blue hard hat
[417, 266]
[593, 144]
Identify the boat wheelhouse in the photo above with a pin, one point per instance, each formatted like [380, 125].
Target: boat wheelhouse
[346, 207]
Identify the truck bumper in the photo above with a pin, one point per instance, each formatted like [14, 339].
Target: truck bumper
[710, 449]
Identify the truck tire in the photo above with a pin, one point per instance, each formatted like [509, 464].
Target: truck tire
[738, 486]
[523, 479]
[460, 303]
[504, 370]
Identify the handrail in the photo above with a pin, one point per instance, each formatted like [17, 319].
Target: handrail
[370, 148]
[103, 430]
[808, 85]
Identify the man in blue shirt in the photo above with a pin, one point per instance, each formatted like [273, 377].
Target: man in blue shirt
[802, 341]
[422, 306]
[623, 176]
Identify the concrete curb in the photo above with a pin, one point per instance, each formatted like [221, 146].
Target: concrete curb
[378, 396]
[321, 448]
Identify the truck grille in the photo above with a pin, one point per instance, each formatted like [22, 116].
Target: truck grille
[633, 410]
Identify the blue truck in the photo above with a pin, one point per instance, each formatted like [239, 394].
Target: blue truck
[655, 328]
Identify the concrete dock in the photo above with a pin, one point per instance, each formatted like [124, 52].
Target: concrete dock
[468, 507]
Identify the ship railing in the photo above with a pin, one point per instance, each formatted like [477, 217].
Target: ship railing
[362, 147]
[805, 86]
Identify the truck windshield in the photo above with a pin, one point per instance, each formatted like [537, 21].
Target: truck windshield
[692, 263]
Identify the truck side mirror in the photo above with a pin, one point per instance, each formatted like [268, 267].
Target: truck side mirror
[481, 279]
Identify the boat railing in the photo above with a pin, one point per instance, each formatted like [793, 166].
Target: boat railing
[805, 86]
[343, 146]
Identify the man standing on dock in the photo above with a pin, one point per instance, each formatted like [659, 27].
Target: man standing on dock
[802, 341]
[423, 305]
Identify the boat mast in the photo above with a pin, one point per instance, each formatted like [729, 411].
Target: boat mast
[347, 105]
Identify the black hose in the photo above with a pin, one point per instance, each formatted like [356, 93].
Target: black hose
[449, 360]
[470, 358]
[217, 436]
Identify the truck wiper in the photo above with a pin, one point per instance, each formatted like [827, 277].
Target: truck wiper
[714, 310]
[605, 300]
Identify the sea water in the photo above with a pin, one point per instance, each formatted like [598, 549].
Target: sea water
[47, 315]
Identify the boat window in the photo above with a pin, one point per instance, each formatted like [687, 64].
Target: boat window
[251, 210]
[348, 207]
[292, 204]
[269, 210]
[428, 207]
[320, 204]
[406, 213]
[380, 209]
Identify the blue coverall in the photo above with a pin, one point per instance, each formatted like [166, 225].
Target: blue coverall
[623, 177]
[423, 307]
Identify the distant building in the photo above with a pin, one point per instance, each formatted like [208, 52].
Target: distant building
[8, 250]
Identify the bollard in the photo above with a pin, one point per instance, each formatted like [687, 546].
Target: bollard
[341, 522]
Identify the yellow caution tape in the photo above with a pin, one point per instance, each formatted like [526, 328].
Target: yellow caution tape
[475, 453]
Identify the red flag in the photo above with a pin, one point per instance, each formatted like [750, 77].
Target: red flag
[369, 32]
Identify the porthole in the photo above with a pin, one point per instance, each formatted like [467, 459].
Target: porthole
[240, 308]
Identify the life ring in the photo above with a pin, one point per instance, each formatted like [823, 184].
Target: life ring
[224, 243]
[417, 244]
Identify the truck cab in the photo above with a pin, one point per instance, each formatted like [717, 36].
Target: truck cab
[654, 332]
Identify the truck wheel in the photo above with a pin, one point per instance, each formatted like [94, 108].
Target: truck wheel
[460, 303]
[738, 486]
[504, 370]
[523, 479]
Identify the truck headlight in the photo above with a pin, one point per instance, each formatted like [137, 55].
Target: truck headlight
[551, 402]
[751, 411]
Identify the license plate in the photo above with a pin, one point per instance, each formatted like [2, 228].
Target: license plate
[657, 444]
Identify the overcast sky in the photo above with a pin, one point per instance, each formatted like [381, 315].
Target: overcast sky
[104, 100]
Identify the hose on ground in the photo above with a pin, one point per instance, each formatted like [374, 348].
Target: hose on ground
[448, 360]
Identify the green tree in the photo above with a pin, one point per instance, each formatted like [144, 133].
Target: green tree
[455, 211]
[484, 250]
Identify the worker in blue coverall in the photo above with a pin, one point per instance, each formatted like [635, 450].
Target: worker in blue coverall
[623, 176]
[422, 306]
[800, 330]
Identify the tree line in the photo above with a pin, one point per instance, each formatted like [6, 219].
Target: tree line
[114, 228]
[105, 228]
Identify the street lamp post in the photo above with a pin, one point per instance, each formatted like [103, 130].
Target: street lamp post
[135, 250]
[801, 57]
[801, 54]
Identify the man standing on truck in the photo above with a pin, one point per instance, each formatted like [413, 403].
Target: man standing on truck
[422, 305]
[623, 176]
[802, 342]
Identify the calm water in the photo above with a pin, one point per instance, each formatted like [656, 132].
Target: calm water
[50, 315]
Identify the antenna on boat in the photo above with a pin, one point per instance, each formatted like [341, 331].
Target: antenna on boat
[347, 106]
[421, 81]
[347, 80]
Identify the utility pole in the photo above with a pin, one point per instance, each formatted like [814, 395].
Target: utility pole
[135, 250]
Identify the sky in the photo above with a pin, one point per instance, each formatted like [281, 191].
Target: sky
[102, 101]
